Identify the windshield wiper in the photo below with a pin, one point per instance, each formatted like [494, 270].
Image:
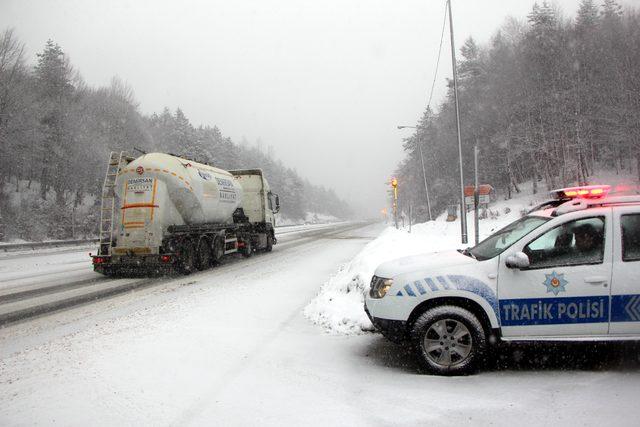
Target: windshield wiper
[467, 252]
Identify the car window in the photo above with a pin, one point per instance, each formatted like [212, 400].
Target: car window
[631, 237]
[572, 243]
[498, 242]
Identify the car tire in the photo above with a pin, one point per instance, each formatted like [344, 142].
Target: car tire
[449, 340]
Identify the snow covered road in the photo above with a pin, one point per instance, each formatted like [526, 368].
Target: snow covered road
[230, 346]
[170, 343]
[49, 279]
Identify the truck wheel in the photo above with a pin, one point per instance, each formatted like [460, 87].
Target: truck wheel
[449, 340]
[217, 250]
[247, 251]
[203, 255]
[269, 246]
[187, 257]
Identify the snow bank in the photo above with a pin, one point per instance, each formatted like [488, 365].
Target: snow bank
[339, 305]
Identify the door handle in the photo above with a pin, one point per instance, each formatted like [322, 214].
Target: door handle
[595, 280]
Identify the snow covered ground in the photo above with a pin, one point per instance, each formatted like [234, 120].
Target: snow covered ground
[156, 356]
[231, 346]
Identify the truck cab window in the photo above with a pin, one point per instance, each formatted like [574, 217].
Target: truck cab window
[630, 237]
[573, 243]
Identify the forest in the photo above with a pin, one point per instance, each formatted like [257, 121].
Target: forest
[56, 133]
[548, 100]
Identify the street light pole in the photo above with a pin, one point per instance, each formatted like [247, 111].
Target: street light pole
[463, 210]
[424, 176]
[476, 196]
[424, 173]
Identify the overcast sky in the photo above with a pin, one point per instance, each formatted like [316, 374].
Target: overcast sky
[324, 82]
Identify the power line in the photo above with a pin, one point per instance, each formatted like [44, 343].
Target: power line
[435, 75]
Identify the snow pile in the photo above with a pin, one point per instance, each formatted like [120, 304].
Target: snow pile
[339, 306]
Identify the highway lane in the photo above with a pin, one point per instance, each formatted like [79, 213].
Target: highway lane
[216, 321]
[35, 283]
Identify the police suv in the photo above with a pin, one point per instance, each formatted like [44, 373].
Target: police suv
[567, 271]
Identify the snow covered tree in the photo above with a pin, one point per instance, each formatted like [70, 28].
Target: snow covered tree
[55, 92]
[549, 101]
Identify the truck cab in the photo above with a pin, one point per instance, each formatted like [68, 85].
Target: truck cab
[259, 206]
[567, 271]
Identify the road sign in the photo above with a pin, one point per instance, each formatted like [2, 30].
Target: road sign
[484, 194]
[483, 190]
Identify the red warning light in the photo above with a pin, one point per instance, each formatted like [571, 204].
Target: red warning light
[587, 192]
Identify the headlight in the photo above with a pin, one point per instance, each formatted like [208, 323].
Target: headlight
[379, 287]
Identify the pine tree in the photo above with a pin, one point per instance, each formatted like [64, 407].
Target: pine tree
[53, 76]
[587, 16]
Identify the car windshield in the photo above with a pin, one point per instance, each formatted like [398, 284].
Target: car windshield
[499, 241]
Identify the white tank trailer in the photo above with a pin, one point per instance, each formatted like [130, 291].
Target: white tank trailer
[171, 213]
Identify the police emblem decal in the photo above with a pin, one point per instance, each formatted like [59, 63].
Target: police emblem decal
[555, 282]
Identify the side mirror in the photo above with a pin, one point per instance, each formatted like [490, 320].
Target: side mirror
[277, 204]
[517, 260]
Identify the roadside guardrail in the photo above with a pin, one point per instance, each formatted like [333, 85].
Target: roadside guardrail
[10, 247]
[42, 245]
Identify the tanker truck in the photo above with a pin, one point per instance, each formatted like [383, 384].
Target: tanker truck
[162, 213]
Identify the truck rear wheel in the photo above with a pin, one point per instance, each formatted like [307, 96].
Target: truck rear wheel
[269, 246]
[187, 257]
[449, 340]
[203, 254]
[217, 249]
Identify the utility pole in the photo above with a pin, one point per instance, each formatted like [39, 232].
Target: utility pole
[463, 210]
[424, 174]
[476, 195]
[394, 184]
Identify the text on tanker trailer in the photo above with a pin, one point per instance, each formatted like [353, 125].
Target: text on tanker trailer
[164, 212]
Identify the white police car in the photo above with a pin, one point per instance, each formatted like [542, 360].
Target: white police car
[567, 271]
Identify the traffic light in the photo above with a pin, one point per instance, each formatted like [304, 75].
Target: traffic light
[394, 182]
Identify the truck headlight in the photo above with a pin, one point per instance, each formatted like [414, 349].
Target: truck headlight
[379, 287]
